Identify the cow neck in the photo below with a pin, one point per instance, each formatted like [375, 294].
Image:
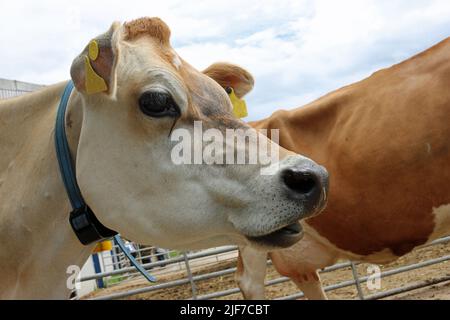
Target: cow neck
[85, 224]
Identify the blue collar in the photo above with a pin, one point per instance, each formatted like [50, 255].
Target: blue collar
[85, 224]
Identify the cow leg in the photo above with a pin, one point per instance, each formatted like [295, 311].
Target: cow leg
[251, 272]
[301, 262]
[310, 285]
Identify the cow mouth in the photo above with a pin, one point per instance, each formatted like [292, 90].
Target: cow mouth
[281, 238]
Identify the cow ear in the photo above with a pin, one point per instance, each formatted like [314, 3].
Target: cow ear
[93, 70]
[230, 75]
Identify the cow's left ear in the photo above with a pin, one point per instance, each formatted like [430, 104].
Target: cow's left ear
[230, 75]
[93, 70]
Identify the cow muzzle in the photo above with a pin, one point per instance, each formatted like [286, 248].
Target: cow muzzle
[305, 187]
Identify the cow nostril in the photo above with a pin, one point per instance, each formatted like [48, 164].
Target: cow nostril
[299, 181]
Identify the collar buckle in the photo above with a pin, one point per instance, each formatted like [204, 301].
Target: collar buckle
[87, 227]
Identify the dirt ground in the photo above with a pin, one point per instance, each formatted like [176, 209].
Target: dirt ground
[440, 291]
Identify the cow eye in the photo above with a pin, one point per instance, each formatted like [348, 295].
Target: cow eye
[158, 105]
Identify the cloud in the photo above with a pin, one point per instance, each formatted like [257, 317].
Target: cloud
[297, 50]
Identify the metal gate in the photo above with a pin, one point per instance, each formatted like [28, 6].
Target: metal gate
[201, 260]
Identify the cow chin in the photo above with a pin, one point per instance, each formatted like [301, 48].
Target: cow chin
[281, 238]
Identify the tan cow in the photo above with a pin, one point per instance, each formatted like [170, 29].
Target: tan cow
[386, 143]
[132, 91]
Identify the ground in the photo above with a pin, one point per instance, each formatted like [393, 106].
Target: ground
[441, 291]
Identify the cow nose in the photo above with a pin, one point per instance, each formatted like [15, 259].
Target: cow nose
[301, 181]
[309, 184]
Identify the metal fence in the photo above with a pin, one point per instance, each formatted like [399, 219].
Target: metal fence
[13, 88]
[162, 264]
[202, 259]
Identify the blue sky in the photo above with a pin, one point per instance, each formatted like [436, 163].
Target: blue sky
[296, 50]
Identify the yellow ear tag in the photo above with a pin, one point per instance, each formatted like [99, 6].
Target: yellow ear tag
[94, 83]
[93, 50]
[239, 105]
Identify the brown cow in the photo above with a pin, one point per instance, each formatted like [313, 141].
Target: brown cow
[386, 143]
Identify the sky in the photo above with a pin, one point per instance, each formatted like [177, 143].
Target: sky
[297, 50]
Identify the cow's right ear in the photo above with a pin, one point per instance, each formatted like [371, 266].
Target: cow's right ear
[93, 70]
[231, 75]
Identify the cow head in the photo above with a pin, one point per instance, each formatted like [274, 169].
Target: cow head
[136, 93]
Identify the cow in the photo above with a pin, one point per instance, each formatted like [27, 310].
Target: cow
[131, 91]
[386, 144]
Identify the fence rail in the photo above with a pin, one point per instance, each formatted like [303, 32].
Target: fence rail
[357, 280]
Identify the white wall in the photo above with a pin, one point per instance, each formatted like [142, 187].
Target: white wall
[87, 286]
[88, 269]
